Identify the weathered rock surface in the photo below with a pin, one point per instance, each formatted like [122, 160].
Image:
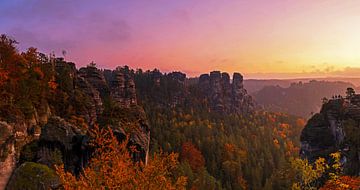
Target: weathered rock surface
[7, 153]
[96, 102]
[216, 92]
[335, 129]
[61, 141]
[55, 132]
[96, 78]
[122, 87]
[224, 96]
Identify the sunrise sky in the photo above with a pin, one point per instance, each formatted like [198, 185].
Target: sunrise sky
[261, 39]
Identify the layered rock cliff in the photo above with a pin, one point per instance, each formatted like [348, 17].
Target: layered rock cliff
[224, 95]
[215, 92]
[56, 129]
[335, 129]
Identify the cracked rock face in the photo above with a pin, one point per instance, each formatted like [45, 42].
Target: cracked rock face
[122, 88]
[96, 78]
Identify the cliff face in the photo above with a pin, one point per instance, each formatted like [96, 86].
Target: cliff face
[335, 129]
[214, 92]
[122, 87]
[54, 132]
[7, 153]
[225, 96]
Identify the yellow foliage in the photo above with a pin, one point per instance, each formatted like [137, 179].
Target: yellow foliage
[309, 173]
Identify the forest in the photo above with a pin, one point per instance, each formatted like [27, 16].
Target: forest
[133, 129]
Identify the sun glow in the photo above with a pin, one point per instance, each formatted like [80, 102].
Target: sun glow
[195, 37]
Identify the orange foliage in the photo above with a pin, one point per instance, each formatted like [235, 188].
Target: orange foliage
[342, 183]
[276, 143]
[284, 126]
[229, 147]
[112, 168]
[10, 60]
[39, 72]
[4, 75]
[242, 183]
[283, 135]
[300, 122]
[192, 155]
[291, 148]
[52, 85]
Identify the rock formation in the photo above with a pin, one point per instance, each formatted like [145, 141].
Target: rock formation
[335, 129]
[224, 96]
[216, 92]
[122, 87]
[7, 153]
[96, 78]
[177, 80]
[34, 176]
[51, 134]
[96, 103]
[56, 131]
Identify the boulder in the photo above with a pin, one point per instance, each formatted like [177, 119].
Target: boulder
[33, 176]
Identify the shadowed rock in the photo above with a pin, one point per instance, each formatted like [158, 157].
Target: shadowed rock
[332, 130]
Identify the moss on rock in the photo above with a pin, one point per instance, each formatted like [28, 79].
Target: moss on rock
[32, 175]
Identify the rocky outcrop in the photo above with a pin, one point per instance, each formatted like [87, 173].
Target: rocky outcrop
[177, 80]
[7, 153]
[139, 138]
[214, 92]
[224, 96]
[96, 102]
[177, 76]
[34, 176]
[63, 142]
[117, 84]
[335, 129]
[56, 131]
[122, 88]
[13, 136]
[96, 78]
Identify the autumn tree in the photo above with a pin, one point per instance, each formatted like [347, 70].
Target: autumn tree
[10, 60]
[111, 167]
[342, 183]
[192, 155]
[323, 175]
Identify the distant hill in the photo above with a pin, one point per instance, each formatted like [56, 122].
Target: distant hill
[254, 85]
[299, 98]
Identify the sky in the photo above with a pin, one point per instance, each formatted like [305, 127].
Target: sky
[259, 38]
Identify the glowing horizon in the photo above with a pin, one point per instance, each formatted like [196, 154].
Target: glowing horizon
[260, 39]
